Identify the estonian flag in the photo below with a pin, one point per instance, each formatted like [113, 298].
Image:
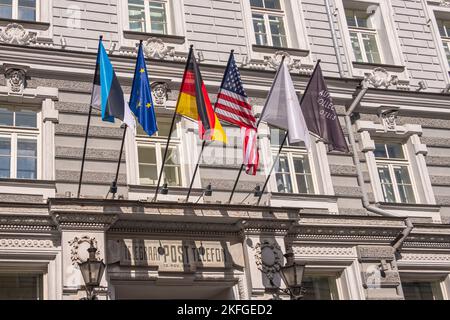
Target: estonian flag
[194, 103]
[107, 93]
[141, 102]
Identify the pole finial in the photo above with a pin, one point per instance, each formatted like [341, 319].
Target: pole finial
[141, 41]
[192, 46]
[319, 60]
[101, 37]
[232, 50]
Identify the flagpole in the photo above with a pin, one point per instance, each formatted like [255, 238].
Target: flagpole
[113, 188]
[204, 141]
[170, 136]
[257, 125]
[285, 138]
[87, 133]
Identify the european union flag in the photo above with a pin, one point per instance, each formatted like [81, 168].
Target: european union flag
[141, 102]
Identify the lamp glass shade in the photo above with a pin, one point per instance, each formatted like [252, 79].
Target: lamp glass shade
[293, 274]
[92, 272]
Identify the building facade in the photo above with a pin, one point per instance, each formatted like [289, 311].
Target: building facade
[369, 224]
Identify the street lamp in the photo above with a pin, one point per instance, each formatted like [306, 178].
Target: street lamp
[292, 274]
[92, 272]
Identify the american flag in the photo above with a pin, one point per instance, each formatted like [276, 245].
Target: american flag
[232, 106]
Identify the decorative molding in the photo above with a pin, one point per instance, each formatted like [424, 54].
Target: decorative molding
[26, 243]
[15, 33]
[303, 250]
[444, 3]
[273, 62]
[268, 258]
[242, 288]
[160, 93]
[380, 78]
[431, 257]
[84, 221]
[26, 223]
[75, 244]
[16, 77]
[388, 118]
[375, 253]
[155, 48]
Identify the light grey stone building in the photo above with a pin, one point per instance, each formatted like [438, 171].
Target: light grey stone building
[369, 224]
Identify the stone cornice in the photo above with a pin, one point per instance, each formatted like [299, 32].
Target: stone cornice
[84, 221]
[27, 224]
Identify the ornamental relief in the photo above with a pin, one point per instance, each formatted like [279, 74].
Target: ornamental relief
[302, 250]
[26, 243]
[15, 33]
[78, 252]
[268, 258]
[381, 78]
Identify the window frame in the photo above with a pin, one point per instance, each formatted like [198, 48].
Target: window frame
[391, 163]
[292, 152]
[436, 12]
[15, 11]
[266, 12]
[332, 279]
[147, 17]
[16, 133]
[159, 143]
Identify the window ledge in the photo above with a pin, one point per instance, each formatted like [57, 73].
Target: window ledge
[411, 206]
[164, 37]
[26, 24]
[371, 66]
[291, 51]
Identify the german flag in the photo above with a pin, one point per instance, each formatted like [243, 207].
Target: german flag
[194, 103]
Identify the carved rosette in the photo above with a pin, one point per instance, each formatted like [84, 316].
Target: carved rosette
[15, 33]
[79, 244]
[155, 48]
[268, 258]
[160, 92]
[380, 78]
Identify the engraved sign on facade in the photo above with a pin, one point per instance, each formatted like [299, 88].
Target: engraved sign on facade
[174, 255]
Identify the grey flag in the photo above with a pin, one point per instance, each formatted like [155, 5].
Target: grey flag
[283, 110]
[320, 114]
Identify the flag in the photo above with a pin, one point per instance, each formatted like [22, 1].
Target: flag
[107, 93]
[193, 102]
[232, 106]
[320, 114]
[283, 110]
[141, 102]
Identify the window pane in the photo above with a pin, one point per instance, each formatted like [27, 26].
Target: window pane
[172, 171]
[148, 172]
[386, 184]
[350, 15]
[27, 10]
[317, 288]
[395, 151]
[362, 19]
[6, 116]
[136, 15]
[447, 51]
[260, 29]
[418, 291]
[158, 17]
[147, 155]
[356, 47]
[283, 176]
[26, 118]
[26, 159]
[404, 185]
[20, 287]
[303, 175]
[272, 4]
[6, 9]
[371, 47]
[5, 157]
[257, 3]
[277, 31]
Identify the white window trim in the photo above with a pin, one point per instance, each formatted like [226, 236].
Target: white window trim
[415, 152]
[386, 10]
[176, 26]
[359, 32]
[295, 28]
[431, 11]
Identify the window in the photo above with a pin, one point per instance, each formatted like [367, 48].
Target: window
[18, 9]
[363, 36]
[422, 290]
[18, 143]
[293, 170]
[148, 16]
[16, 286]
[393, 171]
[151, 152]
[444, 31]
[320, 288]
[268, 23]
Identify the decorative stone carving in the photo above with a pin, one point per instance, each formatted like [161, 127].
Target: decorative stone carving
[16, 80]
[303, 250]
[15, 33]
[389, 119]
[381, 78]
[83, 242]
[269, 258]
[275, 60]
[375, 253]
[445, 3]
[155, 48]
[160, 92]
[25, 243]
[242, 287]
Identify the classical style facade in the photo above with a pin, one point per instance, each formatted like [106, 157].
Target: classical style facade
[369, 224]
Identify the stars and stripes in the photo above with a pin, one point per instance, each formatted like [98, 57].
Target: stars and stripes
[233, 107]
